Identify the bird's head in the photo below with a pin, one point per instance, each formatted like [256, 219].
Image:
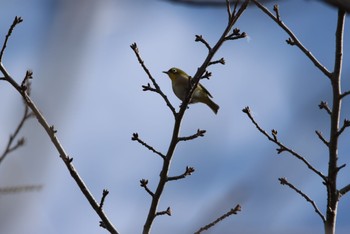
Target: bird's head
[174, 72]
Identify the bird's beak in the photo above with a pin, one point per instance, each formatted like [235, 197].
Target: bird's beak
[166, 72]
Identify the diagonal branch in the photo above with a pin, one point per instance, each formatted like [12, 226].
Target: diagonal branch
[293, 40]
[324, 105]
[284, 181]
[10, 147]
[135, 137]
[157, 88]
[282, 146]
[229, 213]
[51, 132]
[143, 184]
[344, 190]
[319, 134]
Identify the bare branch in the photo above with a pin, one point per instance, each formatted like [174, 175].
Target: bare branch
[276, 10]
[10, 147]
[345, 125]
[105, 192]
[188, 171]
[221, 61]
[157, 88]
[165, 212]
[16, 21]
[344, 190]
[293, 40]
[199, 38]
[20, 189]
[143, 184]
[135, 137]
[236, 34]
[282, 146]
[199, 133]
[324, 105]
[228, 7]
[284, 181]
[51, 132]
[346, 93]
[319, 134]
[231, 212]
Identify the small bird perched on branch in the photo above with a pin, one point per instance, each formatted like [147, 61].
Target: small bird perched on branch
[180, 83]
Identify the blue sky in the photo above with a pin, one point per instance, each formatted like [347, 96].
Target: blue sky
[87, 82]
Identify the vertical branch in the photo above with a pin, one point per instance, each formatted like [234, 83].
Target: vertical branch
[332, 192]
[178, 119]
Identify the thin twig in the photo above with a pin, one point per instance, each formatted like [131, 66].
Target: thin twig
[104, 195]
[324, 105]
[20, 189]
[284, 181]
[346, 124]
[199, 133]
[135, 137]
[16, 21]
[229, 213]
[319, 134]
[10, 147]
[164, 212]
[66, 159]
[344, 190]
[346, 93]
[282, 146]
[293, 40]
[143, 184]
[228, 7]
[188, 171]
[158, 90]
[221, 61]
[199, 38]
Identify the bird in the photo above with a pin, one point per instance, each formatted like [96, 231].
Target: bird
[180, 84]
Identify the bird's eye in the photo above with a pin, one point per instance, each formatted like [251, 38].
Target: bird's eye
[174, 70]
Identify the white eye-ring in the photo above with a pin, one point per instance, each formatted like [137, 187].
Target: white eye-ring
[173, 70]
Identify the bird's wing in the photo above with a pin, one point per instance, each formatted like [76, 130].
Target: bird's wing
[205, 90]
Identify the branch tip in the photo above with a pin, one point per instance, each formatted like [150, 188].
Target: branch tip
[276, 10]
[284, 181]
[105, 192]
[165, 212]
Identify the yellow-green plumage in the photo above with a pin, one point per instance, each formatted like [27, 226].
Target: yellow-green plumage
[180, 84]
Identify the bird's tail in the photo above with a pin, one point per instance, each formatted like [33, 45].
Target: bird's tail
[215, 107]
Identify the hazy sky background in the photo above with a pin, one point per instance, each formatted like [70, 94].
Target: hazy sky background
[87, 82]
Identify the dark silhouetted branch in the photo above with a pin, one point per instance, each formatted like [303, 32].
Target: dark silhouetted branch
[16, 21]
[324, 106]
[199, 133]
[293, 40]
[282, 146]
[51, 132]
[231, 212]
[284, 181]
[156, 86]
[135, 137]
[200, 74]
[188, 171]
[319, 134]
[143, 184]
